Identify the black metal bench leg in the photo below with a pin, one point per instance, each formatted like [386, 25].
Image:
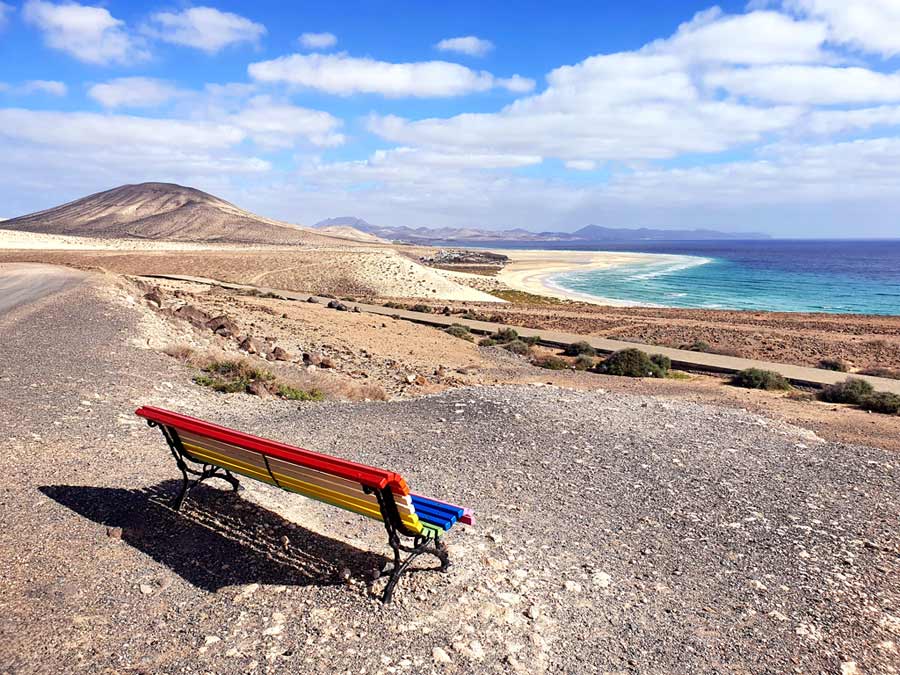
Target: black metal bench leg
[235, 483]
[440, 551]
[178, 502]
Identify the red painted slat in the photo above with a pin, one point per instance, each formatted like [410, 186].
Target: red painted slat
[366, 475]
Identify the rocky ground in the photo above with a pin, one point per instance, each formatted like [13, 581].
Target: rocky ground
[616, 533]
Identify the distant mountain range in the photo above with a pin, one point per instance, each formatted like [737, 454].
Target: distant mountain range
[587, 234]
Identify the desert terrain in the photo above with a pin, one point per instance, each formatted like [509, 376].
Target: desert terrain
[623, 525]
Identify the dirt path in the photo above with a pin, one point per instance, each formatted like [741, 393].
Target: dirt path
[24, 283]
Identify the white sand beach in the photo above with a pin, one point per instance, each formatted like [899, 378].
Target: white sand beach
[532, 271]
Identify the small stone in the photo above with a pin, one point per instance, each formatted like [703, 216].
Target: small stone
[778, 616]
[280, 354]
[440, 656]
[146, 589]
[496, 537]
[114, 532]
[601, 579]
[757, 585]
[476, 649]
[573, 586]
[849, 668]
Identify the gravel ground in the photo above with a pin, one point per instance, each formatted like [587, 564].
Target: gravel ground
[615, 533]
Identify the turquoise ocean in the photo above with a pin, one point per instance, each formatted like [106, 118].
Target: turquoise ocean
[836, 276]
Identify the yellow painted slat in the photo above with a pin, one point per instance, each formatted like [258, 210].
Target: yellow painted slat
[250, 457]
[335, 484]
[228, 463]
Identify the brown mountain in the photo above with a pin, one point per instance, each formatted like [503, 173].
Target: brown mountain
[162, 211]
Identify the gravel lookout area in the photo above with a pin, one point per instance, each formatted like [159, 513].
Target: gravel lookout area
[615, 533]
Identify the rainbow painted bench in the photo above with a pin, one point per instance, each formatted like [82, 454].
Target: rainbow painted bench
[375, 493]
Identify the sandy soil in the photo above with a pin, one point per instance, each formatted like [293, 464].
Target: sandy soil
[343, 270]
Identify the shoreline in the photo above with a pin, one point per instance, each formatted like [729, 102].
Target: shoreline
[533, 271]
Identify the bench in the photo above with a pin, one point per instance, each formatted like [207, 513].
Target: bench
[414, 524]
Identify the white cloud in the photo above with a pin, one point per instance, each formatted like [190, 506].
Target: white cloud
[623, 107]
[318, 40]
[204, 28]
[813, 85]
[80, 129]
[757, 37]
[280, 125]
[5, 11]
[828, 122]
[52, 87]
[471, 45]
[867, 25]
[344, 75]
[133, 92]
[90, 34]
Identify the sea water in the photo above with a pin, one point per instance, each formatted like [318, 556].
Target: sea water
[774, 275]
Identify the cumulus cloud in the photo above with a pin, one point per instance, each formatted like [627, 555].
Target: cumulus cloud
[757, 37]
[868, 25]
[52, 87]
[470, 45]
[813, 85]
[345, 75]
[274, 124]
[204, 28]
[90, 34]
[318, 40]
[133, 92]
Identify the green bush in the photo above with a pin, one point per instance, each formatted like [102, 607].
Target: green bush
[487, 342]
[517, 347]
[664, 363]
[755, 378]
[294, 394]
[697, 346]
[505, 335]
[552, 363]
[881, 402]
[425, 309]
[630, 362]
[579, 348]
[459, 331]
[584, 362]
[222, 385]
[852, 390]
[834, 364]
[533, 340]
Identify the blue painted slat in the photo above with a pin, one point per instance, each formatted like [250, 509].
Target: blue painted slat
[438, 506]
[435, 518]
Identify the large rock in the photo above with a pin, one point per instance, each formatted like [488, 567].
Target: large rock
[222, 325]
[252, 346]
[193, 315]
[280, 355]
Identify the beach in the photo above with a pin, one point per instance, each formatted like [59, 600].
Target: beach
[533, 271]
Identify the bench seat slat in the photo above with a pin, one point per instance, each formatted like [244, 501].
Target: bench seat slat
[435, 518]
[210, 457]
[436, 505]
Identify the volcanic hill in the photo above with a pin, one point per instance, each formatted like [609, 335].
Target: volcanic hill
[162, 211]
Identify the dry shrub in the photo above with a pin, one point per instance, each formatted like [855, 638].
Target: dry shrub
[179, 351]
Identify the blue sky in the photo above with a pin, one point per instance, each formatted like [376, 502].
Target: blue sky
[779, 116]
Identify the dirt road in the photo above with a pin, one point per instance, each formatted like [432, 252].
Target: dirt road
[23, 283]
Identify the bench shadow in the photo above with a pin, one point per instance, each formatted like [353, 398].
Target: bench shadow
[218, 539]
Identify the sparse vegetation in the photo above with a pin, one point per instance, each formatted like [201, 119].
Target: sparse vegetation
[180, 352]
[294, 394]
[834, 364]
[525, 298]
[425, 309]
[697, 346]
[664, 363]
[583, 362]
[631, 362]
[459, 331]
[517, 347]
[881, 402]
[877, 371]
[756, 378]
[678, 375]
[579, 348]
[551, 363]
[852, 390]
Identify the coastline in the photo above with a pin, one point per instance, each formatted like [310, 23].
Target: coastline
[533, 271]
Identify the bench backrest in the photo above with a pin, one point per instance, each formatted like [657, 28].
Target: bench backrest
[336, 481]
